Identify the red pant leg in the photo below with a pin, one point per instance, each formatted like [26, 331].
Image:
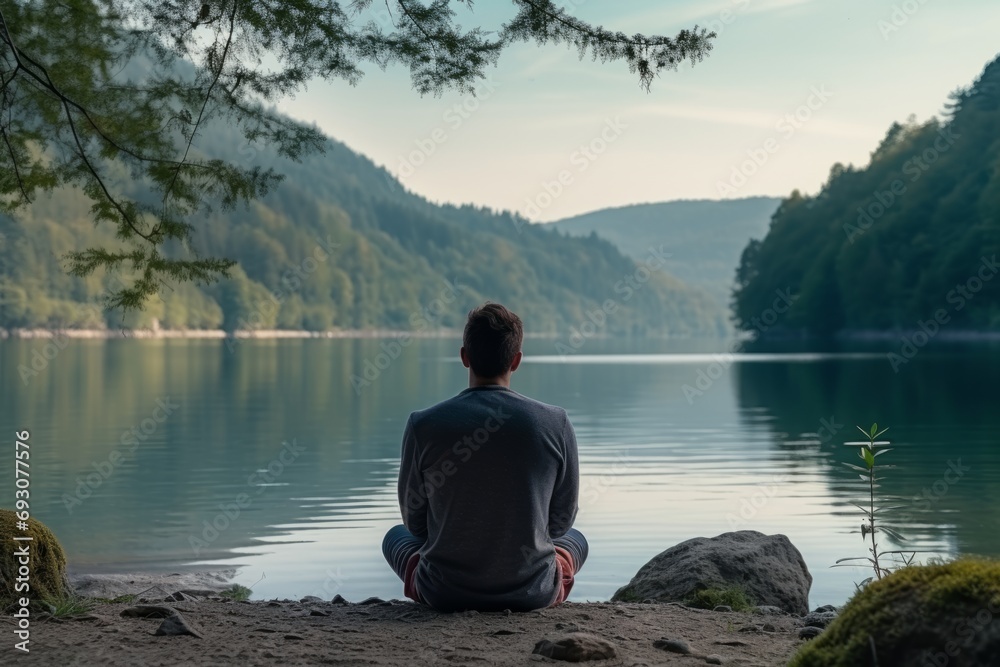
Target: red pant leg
[409, 580]
[567, 573]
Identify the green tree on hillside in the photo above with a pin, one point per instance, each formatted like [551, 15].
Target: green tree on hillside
[100, 95]
[910, 242]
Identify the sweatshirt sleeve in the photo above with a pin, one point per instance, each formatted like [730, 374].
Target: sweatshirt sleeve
[412, 502]
[563, 507]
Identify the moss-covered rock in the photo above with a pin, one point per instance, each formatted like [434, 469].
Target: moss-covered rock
[922, 616]
[734, 597]
[47, 579]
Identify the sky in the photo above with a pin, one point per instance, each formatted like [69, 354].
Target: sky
[790, 88]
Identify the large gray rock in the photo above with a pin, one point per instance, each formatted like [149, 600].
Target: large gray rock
[768, 567]
[819, 619]
[201, 584]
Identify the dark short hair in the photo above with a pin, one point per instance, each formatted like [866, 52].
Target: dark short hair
[493, 337]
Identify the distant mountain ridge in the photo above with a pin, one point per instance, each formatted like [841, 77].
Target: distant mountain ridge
[341, 244]
[704, 237]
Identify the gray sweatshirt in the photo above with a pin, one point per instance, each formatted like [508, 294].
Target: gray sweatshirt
[488, 478]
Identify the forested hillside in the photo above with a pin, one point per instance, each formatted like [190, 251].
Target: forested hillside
[704, 237]
[908, 242]
[339, 244]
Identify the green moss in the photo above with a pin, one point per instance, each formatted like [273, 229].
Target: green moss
[709, 598]
[917, 615]
[627, 595]
[236, 592]
[71, 605]
[47, 580]
[120, 599]
[730, 596]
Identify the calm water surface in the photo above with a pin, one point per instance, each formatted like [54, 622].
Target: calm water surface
[129, 487]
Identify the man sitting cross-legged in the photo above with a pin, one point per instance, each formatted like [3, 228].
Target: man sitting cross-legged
[488, 486]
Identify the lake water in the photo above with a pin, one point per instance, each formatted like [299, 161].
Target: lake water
[760, 448]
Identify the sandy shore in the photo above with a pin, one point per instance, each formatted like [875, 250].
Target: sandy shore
[375, 632]
[397, 633]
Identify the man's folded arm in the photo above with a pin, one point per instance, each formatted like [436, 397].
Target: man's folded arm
[563, 507]
[412, 501]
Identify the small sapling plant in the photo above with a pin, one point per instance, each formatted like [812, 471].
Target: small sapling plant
[873, 524]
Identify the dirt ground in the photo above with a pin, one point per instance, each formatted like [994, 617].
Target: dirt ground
[395, 633]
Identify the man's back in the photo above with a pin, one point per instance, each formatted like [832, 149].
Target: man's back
[488, 477]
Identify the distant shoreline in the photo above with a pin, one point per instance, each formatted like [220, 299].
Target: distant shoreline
[960, 334]
[866, 335]
[217, 334]
[874, 335]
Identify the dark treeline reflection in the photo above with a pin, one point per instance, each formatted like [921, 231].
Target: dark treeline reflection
[943, 413]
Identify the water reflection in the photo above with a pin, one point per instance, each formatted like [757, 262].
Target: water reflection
[942, 412]
[215, 482]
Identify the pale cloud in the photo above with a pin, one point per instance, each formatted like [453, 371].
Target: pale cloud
[742, 117]
[695, 123]
[544, 63]
[729, 115]
[753, 118]
[761, 6]
[662, 18]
